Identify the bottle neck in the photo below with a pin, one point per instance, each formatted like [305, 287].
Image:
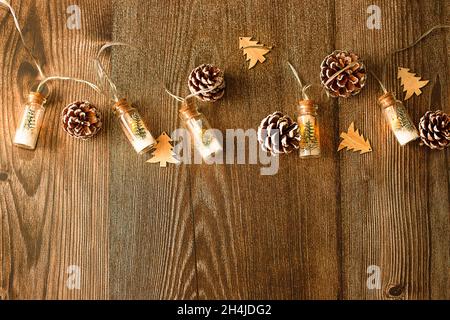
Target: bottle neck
[387, 100]
[307, 107]
[36, 98]
[121, 107]
[188, 110]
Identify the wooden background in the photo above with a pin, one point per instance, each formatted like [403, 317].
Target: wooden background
[225, 231]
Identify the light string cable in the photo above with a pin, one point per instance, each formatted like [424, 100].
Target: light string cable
[181, 99]
[6, 4]
[108, 87]
[306, 87]
[52, 78]
[302, 87]
[392, 54]
[382, 86]
[334, 76]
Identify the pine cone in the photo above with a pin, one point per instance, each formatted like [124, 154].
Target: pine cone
[434, 128]
[349, 82]
[207, 77]
[81, 120]
[278, 133]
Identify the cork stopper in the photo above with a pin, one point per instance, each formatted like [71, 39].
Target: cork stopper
[188, 109]
[307, 106]
[36, 97]
[122, 106]
[386, 100]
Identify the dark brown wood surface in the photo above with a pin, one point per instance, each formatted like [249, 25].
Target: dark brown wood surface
[222, 231]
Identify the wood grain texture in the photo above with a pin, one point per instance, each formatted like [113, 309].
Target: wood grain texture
[152, 244]
[270, 245]
[53, 203]
[392, 210]
[139, 231]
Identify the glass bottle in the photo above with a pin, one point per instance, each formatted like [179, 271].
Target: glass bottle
[134, 127]
[398, 118]
[308, 125]
[30, 123]
[195, 122]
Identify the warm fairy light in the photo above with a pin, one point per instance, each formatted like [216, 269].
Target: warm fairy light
[129, 118]
[205, 142]
[30, 123]
[134, 127]
[143, 145]
[308, 124]
[398, 119]
[309, 129]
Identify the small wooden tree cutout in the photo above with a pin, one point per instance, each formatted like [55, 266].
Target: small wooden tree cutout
[354, 141]
[411, 84]
[163, 152]
[255, 51]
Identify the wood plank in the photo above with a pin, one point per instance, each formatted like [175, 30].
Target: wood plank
[262, 236]
[222, 231]
[151, 229]
[394, 201]
[53, 209]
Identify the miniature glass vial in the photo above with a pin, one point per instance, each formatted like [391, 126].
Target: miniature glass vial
[30, 123]
[195, 122]
[398, 119]
[308, 125]
[134, 127]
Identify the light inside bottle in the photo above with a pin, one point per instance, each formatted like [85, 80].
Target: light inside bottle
[309, 129]
[136, 131]
[205, 141]
[398, 119]
[30, 123]
[134, 127]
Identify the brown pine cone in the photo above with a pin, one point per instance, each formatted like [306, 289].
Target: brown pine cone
[349, 82]
[278, 133]
[207, 77]
[434, 128]
[81, 120]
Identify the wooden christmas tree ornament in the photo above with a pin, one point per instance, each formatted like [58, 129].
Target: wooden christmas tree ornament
[255, 51]
[411, 83]
[163, 153]
[354, 141]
